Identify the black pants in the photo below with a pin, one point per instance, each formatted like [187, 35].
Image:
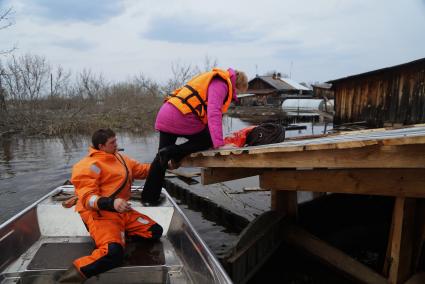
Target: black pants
[170, 151]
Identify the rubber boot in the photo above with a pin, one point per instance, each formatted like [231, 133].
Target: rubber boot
[72, 275]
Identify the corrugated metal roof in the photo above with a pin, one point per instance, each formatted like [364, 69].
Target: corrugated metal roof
[276, 83]
[322, 85]
[282, 83]
[294, 84]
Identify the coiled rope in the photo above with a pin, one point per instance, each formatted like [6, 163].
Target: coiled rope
[266, 133]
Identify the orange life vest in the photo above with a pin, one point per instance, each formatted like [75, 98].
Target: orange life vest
[193, 96]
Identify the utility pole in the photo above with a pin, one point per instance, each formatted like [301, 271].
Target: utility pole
[290, 71]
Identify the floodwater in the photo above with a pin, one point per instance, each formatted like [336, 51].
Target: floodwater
[31, 167]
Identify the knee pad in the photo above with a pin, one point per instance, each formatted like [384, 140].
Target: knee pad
[156, 231]
[116, 253]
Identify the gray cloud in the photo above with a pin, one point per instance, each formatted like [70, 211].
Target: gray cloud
[191, 30]
[74, 10]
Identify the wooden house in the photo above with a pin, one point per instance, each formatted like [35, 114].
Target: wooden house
[273, 90]
[388, 96]
[323, 91]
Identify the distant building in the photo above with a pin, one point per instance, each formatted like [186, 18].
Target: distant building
[273, 90]
[323, 91]
[393, 95]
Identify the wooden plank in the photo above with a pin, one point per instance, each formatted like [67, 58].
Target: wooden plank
[184, 174]
[414, 135]
[388, 260]
[253, 189]
[420, 233]
[214, 175]
[387, 182]
[398, 215]
[375, 156]
[407, 241]
[400, 254]
[331, 256]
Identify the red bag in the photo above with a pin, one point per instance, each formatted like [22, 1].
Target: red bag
[238, 138]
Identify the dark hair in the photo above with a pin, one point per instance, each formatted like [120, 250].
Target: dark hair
[101, 136]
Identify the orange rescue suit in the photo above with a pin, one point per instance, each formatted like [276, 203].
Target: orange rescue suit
[193, 96]
[96, 176]
[100, 174]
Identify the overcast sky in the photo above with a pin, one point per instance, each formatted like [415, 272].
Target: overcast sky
[316, 40]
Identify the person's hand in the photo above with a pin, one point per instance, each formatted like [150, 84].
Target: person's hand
[121, 205]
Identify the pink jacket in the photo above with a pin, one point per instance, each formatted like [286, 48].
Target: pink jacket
[171, 120]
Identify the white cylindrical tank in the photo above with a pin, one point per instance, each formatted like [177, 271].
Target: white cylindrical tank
[303, 105]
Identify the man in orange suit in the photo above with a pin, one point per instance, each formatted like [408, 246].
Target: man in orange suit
[102, 183]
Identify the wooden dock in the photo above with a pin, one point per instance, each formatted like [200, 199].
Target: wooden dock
[386, 162]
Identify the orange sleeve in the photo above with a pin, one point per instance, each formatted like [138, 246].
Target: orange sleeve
[85, 178]
[139, 170]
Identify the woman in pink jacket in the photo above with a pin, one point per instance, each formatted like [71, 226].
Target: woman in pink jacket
[195, 113]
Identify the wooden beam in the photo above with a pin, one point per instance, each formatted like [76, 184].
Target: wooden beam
[373, 156]
[401, 247]
[388, 182]
[331, 256]
[214, 175]
[420, 233]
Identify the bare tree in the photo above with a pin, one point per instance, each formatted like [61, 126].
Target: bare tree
[209, 63]
[90, 86]
[27, 77]
[3, 107]
[60, 82]
[5, 22]
[146, 86]
[181, 73]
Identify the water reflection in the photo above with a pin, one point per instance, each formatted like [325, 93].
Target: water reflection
[6, 156]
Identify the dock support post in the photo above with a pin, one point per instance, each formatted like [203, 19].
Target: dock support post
[400, 242]
[282, 201]
[285, 202]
